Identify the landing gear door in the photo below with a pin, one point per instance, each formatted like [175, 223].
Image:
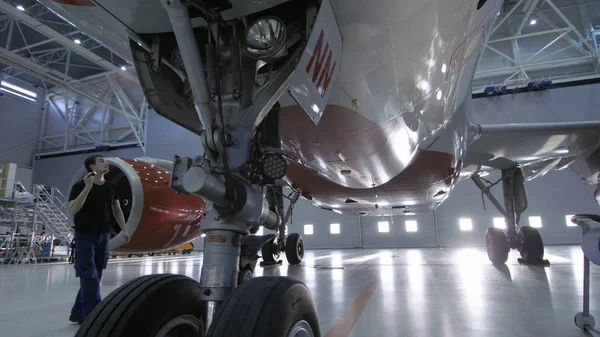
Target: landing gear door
[315, 75]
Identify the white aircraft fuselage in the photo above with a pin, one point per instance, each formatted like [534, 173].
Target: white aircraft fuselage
[395, 132]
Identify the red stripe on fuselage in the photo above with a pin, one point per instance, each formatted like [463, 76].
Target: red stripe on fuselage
[75, 2]
[368, 151]
[431, 172]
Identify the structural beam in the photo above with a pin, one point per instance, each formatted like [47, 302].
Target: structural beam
[64, 40]
[531, 4]
[570, 24]
[522, 36]
[507, 16]
[84, 148]
[133, 128]
[34, 69]
[535, 67]
[547, 60]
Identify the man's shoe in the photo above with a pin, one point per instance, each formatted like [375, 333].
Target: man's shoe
[76, 319]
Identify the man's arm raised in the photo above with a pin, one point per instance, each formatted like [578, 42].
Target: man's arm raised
[76, 204]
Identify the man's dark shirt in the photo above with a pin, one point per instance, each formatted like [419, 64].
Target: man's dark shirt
[96, 214]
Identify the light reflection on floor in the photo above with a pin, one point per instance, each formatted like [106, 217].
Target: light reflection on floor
[420, 292]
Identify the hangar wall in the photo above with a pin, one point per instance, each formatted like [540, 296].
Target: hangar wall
[20, 125]
[550, 197]
[166, 139]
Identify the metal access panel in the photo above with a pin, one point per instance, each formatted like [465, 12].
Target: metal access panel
[315, 75]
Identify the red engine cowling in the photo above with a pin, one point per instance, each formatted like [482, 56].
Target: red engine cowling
[156, 217]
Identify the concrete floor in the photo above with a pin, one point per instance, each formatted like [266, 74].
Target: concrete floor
[404, 292]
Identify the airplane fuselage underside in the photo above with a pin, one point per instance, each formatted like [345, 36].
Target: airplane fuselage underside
[397, 94]
[384, 143]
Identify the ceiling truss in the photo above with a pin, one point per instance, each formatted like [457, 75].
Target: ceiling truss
[96, 125]
[67, 54]
[82, 81]
[537, 40]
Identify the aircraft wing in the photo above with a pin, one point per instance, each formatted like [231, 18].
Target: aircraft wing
[537, 130]
[506, 145]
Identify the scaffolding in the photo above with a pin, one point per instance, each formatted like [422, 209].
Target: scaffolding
[35, 223]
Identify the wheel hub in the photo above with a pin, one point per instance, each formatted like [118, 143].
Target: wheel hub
[301, 329]
[182, 326]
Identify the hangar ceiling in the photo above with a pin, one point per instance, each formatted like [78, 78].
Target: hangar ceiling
[532, 40]
[535, 40]
[30, 31]
[82, 80]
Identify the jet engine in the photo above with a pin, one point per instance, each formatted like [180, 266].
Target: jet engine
[157, 218]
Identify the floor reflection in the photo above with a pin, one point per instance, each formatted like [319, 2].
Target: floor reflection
[418, 292]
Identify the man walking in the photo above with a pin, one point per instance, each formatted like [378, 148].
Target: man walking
[91, 201]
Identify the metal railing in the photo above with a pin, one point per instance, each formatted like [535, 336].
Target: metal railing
[52, 207]
[37, 222]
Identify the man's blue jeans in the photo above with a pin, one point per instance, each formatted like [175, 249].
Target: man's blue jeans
[91, 255]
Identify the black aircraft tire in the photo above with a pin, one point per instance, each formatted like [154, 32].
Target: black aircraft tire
[144, 306]
[496, 245]
[267, 306]
[294, 249]
[245, 275]
[268, 252]
[532, 246]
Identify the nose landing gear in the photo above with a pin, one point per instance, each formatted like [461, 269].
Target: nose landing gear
[233, 93]
[152, 305]
[267, 306]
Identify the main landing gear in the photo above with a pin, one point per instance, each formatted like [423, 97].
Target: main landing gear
[526, 240]
[228, 95]
[292, 245]
[271, 246]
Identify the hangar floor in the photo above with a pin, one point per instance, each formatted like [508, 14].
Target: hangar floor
[359, 293]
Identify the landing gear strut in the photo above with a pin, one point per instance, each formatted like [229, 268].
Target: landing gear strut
[526, 240]
[228, 95]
